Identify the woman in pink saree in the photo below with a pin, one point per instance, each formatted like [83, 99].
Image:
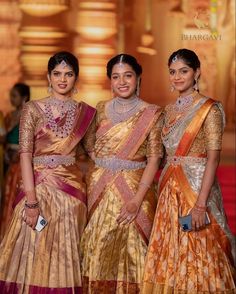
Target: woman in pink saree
[121, 200]
[51, 129]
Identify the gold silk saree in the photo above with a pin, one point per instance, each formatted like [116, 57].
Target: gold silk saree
[48, 261]
[112, 254]
[196, 261]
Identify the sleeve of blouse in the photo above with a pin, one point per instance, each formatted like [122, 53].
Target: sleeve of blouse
[27, 128]
[154, 144]
[90, 137]
[213, 128]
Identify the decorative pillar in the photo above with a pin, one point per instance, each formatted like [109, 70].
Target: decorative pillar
[95, 45]
[40, 40]
[10, 17]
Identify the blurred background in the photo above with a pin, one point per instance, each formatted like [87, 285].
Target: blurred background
[33, 30]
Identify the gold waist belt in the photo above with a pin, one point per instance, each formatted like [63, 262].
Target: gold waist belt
[181, 160]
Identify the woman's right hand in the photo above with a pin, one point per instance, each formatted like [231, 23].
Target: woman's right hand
[31, 216]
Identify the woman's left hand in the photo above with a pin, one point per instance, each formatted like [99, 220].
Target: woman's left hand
[128, 212]
[198, 219]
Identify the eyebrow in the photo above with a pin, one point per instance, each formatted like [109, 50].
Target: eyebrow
[187, 67]
[58, 71]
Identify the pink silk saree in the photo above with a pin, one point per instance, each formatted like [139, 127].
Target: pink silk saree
[48, 261]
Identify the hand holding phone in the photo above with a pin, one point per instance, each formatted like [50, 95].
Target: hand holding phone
[41, 223]
[186, 222]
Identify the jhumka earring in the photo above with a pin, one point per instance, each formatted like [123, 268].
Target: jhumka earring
[112, 93]
[49, 88]
[195, 86]
[75, 90]
[172, 88]
[137, 91]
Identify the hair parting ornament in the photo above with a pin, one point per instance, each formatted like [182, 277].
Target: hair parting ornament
[121, 62]
[63, 64]
[174, 59]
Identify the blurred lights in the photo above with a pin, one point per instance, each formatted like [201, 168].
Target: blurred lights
[40, 8]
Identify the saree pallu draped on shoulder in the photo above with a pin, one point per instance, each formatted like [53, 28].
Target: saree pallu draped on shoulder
[48, 261]
[116, 262]
[187, 262]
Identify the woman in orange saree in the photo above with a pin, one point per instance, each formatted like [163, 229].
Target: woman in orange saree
[121, 200]
[197, 257]
[51, 129]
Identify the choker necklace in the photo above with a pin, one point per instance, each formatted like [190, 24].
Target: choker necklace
[120, 109]
[65, 108]
[182, 103]
[175, 114]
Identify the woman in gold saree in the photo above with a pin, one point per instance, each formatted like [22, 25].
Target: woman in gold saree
[198, 257]
[51, 129]
[121, 201]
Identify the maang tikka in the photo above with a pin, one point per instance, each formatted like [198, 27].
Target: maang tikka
[63, 63]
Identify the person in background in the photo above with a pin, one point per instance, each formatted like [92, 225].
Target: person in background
[19, 95]
[121, 198]
[191, 248]
[2, 140]
[40, 249]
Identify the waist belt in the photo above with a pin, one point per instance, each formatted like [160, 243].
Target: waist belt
[54, 160]
[177, 160]
[116, 164]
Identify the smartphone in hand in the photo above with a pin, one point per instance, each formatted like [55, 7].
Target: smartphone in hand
[186, 222]
[41, 223]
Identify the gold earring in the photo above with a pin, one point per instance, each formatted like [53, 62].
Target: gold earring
[137, 91]
[172, 88]
[49, 88]
[75, 91]
[195, 86]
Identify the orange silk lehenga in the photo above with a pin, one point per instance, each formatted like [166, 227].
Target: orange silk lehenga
[112, 254]
[196, 261]
[48, 261]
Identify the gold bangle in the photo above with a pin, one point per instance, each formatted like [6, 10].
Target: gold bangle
[31, 205]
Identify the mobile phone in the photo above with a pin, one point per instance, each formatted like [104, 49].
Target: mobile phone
[41, 223]
[186, 222]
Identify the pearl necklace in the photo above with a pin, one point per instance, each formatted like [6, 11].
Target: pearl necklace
[120, 109]
[65, 108]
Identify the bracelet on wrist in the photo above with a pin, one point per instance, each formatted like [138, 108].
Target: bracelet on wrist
[31, 205]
